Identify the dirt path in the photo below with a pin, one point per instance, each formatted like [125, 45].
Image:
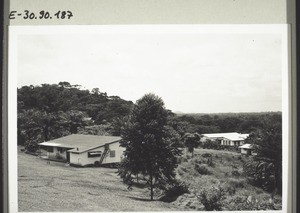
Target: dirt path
[58, 187]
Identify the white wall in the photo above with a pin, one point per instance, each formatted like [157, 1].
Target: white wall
[82, 159]
[244, 151]
[118, 153]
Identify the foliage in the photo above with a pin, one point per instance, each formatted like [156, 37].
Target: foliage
[191, 141]
[212, 197]
[261, 174]
[211, 144]
[266, 168]
[173, 190]
[253, 203]
[151, 145]
[202, 169]
[50, 111]
[227, 122]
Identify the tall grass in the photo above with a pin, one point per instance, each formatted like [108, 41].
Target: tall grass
[226, 170]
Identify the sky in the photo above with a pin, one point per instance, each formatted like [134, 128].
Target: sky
[192, 72]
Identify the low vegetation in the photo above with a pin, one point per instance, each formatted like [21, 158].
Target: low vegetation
[223, 186]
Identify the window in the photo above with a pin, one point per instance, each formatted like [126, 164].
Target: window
[94, 154]
[112, 154]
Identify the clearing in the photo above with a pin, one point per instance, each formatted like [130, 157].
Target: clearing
[59, 187]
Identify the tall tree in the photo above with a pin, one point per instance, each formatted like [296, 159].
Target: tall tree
[151, 145]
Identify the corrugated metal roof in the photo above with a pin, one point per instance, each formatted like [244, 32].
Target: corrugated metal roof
[233, 136]
[82, 142]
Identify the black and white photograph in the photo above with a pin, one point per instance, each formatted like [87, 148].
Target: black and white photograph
[148, 118]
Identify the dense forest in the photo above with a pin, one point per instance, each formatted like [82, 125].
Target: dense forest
[49, 111]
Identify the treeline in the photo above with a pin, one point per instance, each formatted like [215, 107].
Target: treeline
[50, 111]
[227, 122]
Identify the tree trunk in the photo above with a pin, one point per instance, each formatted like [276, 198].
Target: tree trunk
[151, 186]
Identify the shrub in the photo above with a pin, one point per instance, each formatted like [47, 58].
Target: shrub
[206, 155]
[231, 190]
[235, 173]
[97, 163]
[252, 203]
[260, 174]
[210, 162]
[237, 183]
[174, 190]
[31, 145]
[197, 161]
[183, 159]
[212, 198]
[201, 169]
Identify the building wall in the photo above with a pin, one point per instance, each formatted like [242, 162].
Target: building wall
[227, 142]
[82, 159]
[57, 154]
[244, 151]
[118, 151]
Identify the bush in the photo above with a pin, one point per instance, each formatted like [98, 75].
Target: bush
[231, 190]
[252, 203]
[183, 159]
[197, 161]
[237, 183]
[260, 174]
[212, 198]
[206, 155]
[235, 173]
[210, 162]
[174, 190]
[233, 184]
[97, 163]
[201, 169]
[31, 146]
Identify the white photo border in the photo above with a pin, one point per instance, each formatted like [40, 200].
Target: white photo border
[15, 31]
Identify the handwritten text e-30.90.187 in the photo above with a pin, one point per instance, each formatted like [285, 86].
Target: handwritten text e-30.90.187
[41, 15]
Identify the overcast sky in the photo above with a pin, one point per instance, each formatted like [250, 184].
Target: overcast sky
[192, 72]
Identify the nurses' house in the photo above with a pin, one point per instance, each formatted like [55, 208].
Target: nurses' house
[84, 150]
[225, 139]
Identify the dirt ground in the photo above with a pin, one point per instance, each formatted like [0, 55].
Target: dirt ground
[59, 187]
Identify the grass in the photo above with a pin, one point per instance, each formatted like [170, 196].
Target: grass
[58, 187]
[219, 168]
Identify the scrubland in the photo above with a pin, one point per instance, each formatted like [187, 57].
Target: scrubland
[215, 177]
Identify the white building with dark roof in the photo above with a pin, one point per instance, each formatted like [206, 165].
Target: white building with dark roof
[247, 149]
[226, 139]
[84, 150]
